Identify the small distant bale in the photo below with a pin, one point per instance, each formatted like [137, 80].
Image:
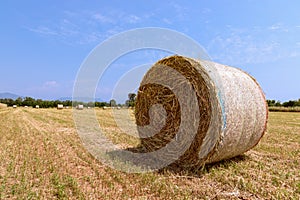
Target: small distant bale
[15, 106]
[104, 108]
[118, 107]
[2, 105]
[37, 106]
[25, 106]
[79, 107]
[67, 107]
[60, 106]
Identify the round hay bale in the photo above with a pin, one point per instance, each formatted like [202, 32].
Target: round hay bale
[2, 105]
[231, 112]
[60, 106]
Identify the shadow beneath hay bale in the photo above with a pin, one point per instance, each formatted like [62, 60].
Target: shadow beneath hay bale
[134, 159]
[200, 170]
[225, 164]
[176, 169]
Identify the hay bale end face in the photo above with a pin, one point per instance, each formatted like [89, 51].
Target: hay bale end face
[232, 110]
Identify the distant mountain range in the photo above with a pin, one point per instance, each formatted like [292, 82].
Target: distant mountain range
[7, 95]
[84, 99]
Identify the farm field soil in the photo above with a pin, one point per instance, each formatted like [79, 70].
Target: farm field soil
[41, 157]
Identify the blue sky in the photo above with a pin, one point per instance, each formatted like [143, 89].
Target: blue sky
[43, 43]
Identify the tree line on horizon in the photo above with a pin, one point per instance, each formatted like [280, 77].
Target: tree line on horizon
[290, 103]
[31, 102]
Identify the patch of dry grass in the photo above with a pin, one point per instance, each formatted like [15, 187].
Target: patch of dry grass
[42, 158]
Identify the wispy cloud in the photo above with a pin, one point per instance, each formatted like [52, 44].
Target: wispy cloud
[133, 19]
[279, 27]
[43, 30]
[102, 19]
[88, 27]
[50, 84]
[181, 11]
[257, 45]
[275, 26]
[167, 21]
[206, 10]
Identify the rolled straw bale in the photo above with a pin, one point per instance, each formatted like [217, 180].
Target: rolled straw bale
[79, 107]
[232, 113]
[2, 105]
[60, 106]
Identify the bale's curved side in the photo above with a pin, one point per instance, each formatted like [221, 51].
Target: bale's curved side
[245, 110]
[231, 106]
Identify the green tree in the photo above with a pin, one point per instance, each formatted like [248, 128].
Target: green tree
[112, 103]
[271, 103]
[28, 101]
[19, 101]
[278, 104]
[131, 100]
[289, 104]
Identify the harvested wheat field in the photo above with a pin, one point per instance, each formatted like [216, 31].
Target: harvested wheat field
[42, 158]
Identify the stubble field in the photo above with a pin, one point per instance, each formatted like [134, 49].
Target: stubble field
[41, 157]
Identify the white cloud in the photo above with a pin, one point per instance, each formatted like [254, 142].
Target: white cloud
[206, 11]
[294, 54]
[180, 11]
[43, 30]
[103, 19]
[235, 46]
[275, 26]
[88, 27]
[133, 19]
[51, 84]
[167, 21]
[278, 27]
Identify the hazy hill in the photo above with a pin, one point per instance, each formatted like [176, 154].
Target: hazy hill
[7, 95]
